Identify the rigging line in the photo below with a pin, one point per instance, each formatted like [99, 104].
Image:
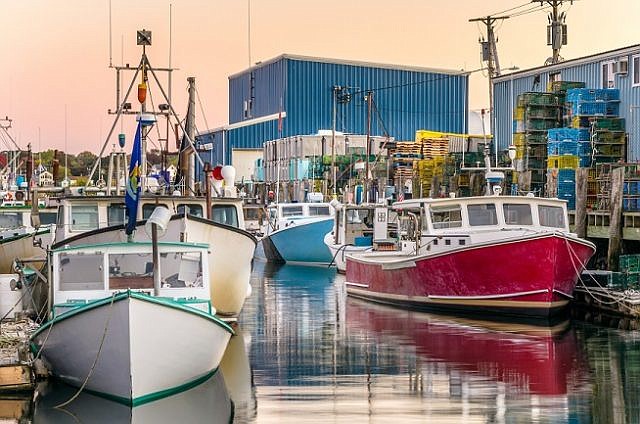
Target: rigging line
[204, 116]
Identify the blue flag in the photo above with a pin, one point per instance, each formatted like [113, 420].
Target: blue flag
[133, 181]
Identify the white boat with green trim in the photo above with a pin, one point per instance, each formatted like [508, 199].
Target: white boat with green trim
[117, 333]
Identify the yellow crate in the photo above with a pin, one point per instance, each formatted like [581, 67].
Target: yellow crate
[563, 162]
[518, 113]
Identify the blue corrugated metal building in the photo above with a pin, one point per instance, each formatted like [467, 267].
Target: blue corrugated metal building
[613, 69]
[300, 89]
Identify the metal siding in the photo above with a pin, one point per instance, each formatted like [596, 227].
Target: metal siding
[269, 89]
[590, 74]
[250, 137]
[438, 104]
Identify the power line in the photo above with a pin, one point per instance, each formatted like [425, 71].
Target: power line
[512, 8]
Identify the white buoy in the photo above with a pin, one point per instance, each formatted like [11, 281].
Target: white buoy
[9, 295]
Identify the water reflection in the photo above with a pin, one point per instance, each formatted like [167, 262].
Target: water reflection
[305, 352]
[209, 402]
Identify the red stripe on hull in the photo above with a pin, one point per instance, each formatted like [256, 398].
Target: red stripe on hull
[488, 277]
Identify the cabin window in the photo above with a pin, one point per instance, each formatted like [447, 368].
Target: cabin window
[181, 270]
[195, 210]
[482, 214]
[551, 216]
[116, 214]
[225, 214]
[84, 218]
[446, 216]
[148, 209]
[130, 271]
[47, 218]
[319, 211]
[292, 211]
[517, 214]
[81, 272]
[10, 220]
[253, 214]
[60, 221]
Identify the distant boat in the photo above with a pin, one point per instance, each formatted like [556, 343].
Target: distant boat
[124, 335]
[492, 254]
[294, 233]
[356, 230]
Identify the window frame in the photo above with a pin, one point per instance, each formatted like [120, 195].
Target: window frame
[610, 72]
[635, 67]
[495, 215]
[72, 225]
[506, 216]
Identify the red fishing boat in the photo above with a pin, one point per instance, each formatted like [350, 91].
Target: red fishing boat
[493, 254]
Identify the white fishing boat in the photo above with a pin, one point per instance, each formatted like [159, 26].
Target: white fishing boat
[129, 323]
[100, 219]
[356, 229]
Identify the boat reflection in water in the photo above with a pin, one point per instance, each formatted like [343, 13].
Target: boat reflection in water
[519, 368]
[208, 402]
[236, 369]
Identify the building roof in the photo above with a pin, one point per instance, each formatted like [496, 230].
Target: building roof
[349, 62]
[571, 62]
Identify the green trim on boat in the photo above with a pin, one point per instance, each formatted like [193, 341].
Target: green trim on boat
[157, 395]
[98, 246]
[134, 295]
[25, 235]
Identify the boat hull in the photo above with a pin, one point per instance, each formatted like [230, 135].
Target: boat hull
[532, 276]
[229, 261]
[147, 353]
[300, 243]
[20, 245]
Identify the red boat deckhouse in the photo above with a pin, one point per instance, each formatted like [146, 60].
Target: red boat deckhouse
[504, 254]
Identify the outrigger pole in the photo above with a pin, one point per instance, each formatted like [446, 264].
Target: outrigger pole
[144, 64]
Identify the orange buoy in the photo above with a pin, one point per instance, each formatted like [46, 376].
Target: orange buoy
[142, 92]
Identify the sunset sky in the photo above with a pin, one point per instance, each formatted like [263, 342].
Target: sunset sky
[56, 53]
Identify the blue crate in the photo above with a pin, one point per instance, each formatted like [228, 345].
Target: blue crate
[629, 203]
[568, 175]
[584, 161]
[590, 94]
[596, 108]
[571, 134]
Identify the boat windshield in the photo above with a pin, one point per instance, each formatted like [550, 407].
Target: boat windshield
[319, 211]
[446, 216]
[517, 214]
[292, 211]
[10, 220]
[84, 218]
[194, 210]
[551, 216]
[484, 214]
[225, 214]
[81, 272]
[135, 270]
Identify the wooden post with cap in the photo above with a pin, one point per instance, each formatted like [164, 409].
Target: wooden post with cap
[207, 188]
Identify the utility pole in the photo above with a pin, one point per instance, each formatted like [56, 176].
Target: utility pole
[369, 99]
[490, 56]
[556, 30]
[336, 88]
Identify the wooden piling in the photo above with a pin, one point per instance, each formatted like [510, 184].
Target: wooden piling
[615, 223]
[582, 175]
[524, 180]
[552, 184]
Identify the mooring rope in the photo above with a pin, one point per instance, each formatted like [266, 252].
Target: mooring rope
[95, 361]
[573, 255]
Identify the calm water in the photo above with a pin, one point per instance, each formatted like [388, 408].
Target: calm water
[307, 353]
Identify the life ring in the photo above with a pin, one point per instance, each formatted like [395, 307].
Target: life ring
[8, 196]
[20, 195]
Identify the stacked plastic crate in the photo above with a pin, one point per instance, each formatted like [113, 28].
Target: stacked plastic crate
[595, 111]
[568, 149]
[434, 150]
[534, 115]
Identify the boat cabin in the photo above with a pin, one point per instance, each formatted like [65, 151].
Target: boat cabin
[443, 224]
[82, 274]
[78, 214]
[13, 217]
[364, 225]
